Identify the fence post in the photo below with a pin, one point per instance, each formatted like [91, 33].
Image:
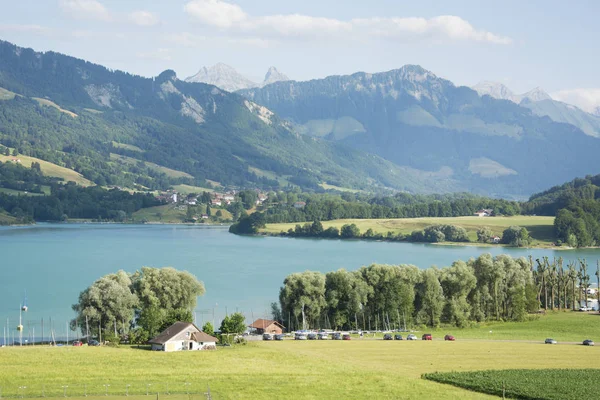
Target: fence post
[127, 389]
[85, 390]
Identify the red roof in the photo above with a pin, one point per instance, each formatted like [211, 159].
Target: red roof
[263, 323]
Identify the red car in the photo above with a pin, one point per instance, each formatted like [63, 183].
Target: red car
[427, 336]
[449, 337]
[346, 336]
[77, 343]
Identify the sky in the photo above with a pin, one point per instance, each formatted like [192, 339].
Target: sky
[522, 44]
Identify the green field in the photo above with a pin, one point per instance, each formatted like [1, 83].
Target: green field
[19, 192]
[187, 189]
[540, 228]
[360, 368]
[6, 94]
[170, 214]
[49, 103]
[6, 219]
[50, 169]
[171, 173]
[556, 384]
[127, 147]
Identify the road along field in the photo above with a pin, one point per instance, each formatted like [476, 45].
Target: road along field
[541, 229]
[294, 369]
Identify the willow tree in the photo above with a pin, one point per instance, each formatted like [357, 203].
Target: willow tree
[107, 302]
[303, 296]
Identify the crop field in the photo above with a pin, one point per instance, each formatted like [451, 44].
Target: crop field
[558, 384]
[540, 228]
[50, 169]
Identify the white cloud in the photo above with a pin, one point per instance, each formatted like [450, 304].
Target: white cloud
[36, 29]
[144, 18]
[85, 9]
[232, 18]
[586, 99]
[215, 12]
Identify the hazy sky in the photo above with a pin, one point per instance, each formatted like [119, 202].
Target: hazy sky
[523, 44]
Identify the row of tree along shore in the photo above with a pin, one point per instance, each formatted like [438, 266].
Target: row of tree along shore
[394, 296]
[138, 306]
[513, 236]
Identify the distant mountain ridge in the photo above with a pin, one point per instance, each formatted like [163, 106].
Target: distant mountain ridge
[542, 104]
[227, 78]
[413, 118]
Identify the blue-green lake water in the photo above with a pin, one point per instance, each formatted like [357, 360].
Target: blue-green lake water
[52, 263]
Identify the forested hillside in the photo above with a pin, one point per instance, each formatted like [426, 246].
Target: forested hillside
[72, 112]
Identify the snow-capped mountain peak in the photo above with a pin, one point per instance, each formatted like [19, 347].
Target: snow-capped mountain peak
[223, 76]
[496, 90]
[536, 94]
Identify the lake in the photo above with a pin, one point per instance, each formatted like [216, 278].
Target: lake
[53, 263]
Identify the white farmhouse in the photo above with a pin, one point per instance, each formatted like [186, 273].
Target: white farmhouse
[183, 336]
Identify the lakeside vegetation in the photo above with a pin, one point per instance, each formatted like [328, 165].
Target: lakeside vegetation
[540, 228]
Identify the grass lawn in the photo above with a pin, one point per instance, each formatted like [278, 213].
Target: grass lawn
[289, 369]
[50, 169]
[540, 228]
[6, 94]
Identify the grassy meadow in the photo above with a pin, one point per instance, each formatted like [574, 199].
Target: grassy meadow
[170, 214]
[360, 368]
[540, 228]
[50, 169]
[48, 103]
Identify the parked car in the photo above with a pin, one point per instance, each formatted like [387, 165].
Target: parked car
[398, 337]
[584, 308]
[387, 336]
[93, 343]
[426, 336]
[323, 336]
[337, 336]
[77, 343]
[411, 337]
[267, 336]
[300, 336]
[346, 336]
[312, 336]
[449, 337]
[279, 336]
[550, 341]
[588, 342]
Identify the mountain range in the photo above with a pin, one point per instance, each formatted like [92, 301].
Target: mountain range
[542, 104]
[413, 118]
[405, 129]
[227, 78]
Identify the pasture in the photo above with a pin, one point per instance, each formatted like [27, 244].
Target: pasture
[50, 169]
[540, 228]
[298, 369]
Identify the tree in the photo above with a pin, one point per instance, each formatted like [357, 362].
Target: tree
[234, 323]
[484, 235]
[248, 198]
[276, 313]
[316, 229]
[350, 231]
[346, 294]
[176, 315]
[107, 300]
[303, 294]
[515, 236]
[208, 328]
[432, 299]
[219, 214]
